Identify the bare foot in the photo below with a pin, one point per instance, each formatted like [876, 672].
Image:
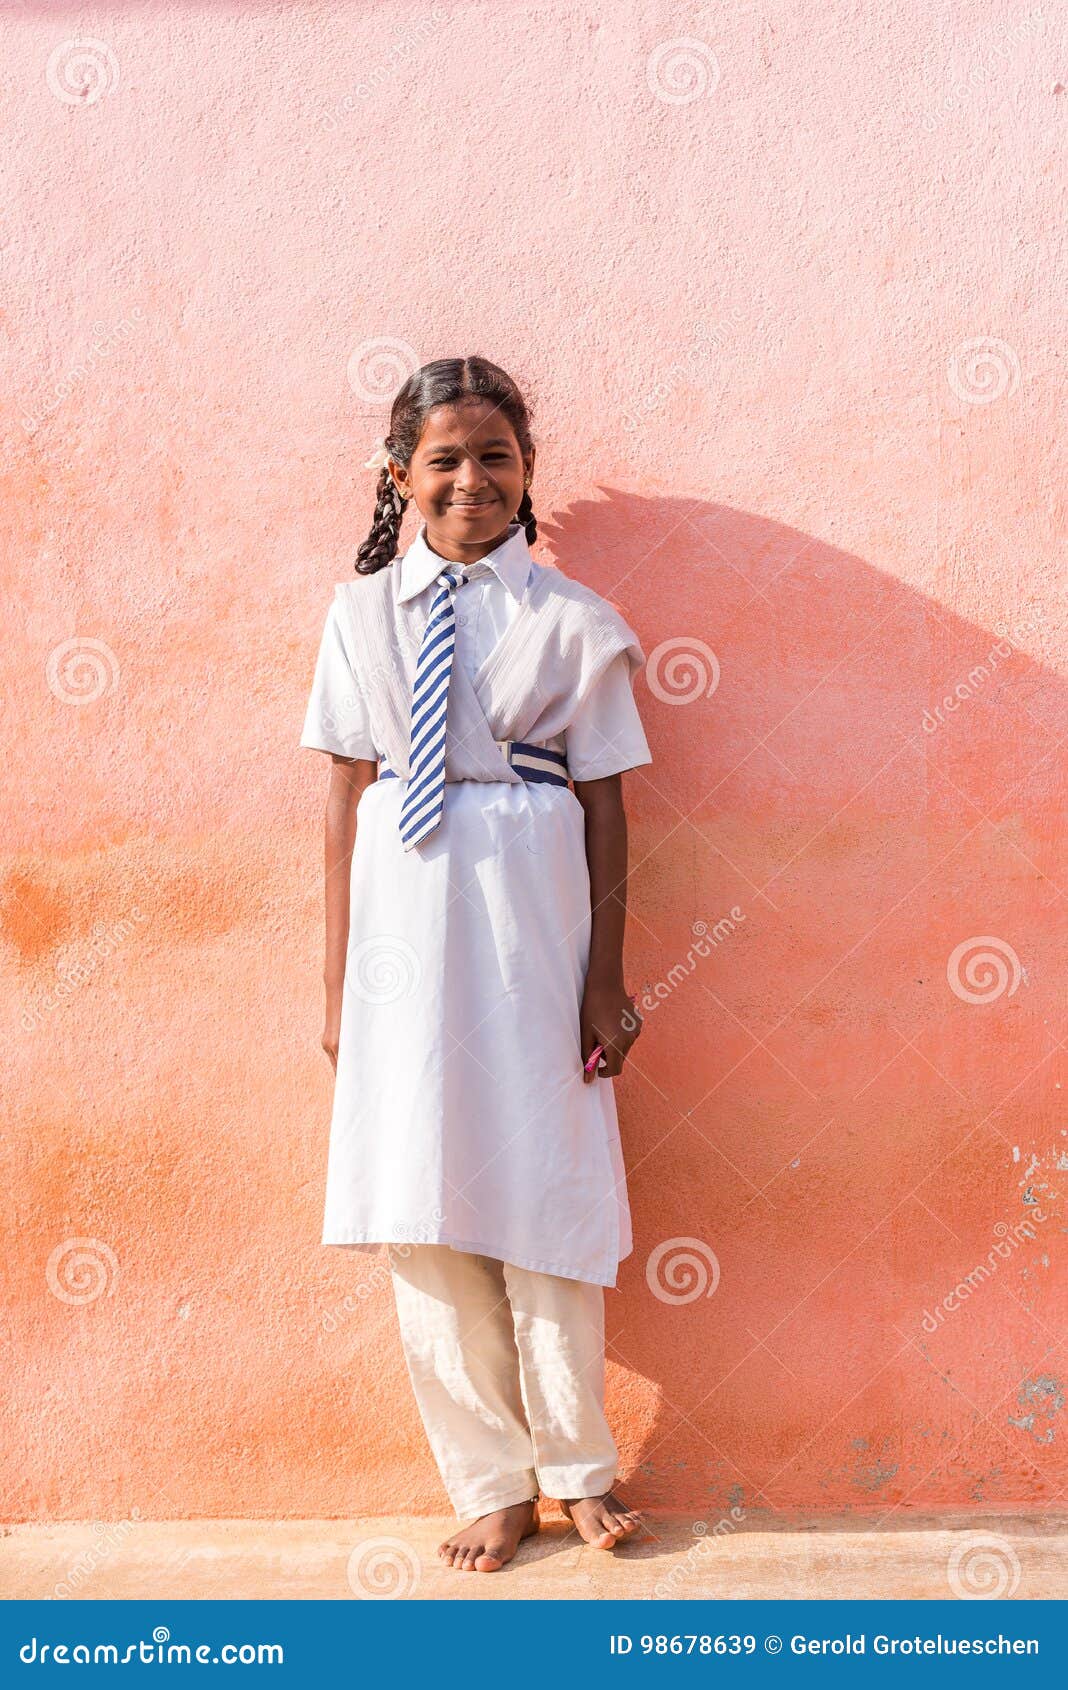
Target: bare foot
[603, 1521]
[491, 1540]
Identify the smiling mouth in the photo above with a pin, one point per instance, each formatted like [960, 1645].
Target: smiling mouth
[471, 504]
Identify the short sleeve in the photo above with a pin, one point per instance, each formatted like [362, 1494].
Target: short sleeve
[337, 719]
[606, 736]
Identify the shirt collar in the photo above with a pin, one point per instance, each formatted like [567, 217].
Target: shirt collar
[511, 562]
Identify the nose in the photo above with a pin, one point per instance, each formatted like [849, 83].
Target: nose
[470, 477]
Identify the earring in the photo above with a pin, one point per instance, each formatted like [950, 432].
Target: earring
[526, 481]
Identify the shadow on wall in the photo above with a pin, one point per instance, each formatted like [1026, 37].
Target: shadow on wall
[841, 1120]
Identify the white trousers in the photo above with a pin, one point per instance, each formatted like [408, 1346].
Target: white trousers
[507, 1366]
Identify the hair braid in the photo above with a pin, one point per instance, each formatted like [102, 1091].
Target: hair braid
[380, 546]
[525, 515]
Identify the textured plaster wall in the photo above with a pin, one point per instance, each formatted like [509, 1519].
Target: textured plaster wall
[785, 286]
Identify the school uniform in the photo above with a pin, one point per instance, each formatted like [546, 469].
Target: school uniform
[462, 1133]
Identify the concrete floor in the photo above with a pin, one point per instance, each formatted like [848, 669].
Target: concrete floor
[906, 1557]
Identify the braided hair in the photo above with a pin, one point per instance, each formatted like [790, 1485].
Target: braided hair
[447, 381]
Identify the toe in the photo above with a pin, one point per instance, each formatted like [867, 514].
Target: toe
[604, 1521]
[601, 1535]
[491, 1560]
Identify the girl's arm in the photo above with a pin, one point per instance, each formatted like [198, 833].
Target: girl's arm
[607, 1014]
[349, 778]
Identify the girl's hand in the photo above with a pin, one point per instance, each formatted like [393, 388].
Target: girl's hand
[607, 1017]
[332, 1032]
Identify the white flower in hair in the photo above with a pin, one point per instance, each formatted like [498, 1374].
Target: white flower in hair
[379, 456]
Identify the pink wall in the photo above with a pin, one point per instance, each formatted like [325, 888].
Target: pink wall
[740, 281]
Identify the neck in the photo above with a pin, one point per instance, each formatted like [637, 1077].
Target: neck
[463, 551]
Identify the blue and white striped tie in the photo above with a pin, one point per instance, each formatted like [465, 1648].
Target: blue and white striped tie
[424, 800]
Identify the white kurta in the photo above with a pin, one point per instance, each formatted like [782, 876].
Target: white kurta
[460, 1114]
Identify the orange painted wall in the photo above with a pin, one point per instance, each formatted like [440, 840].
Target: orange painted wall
[786, 300]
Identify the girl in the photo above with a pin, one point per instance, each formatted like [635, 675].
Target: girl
[475, 909]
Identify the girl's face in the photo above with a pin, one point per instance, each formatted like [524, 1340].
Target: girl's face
[466, 477]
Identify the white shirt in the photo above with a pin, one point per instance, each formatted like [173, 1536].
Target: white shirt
[460, 1114]
[604, 738]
